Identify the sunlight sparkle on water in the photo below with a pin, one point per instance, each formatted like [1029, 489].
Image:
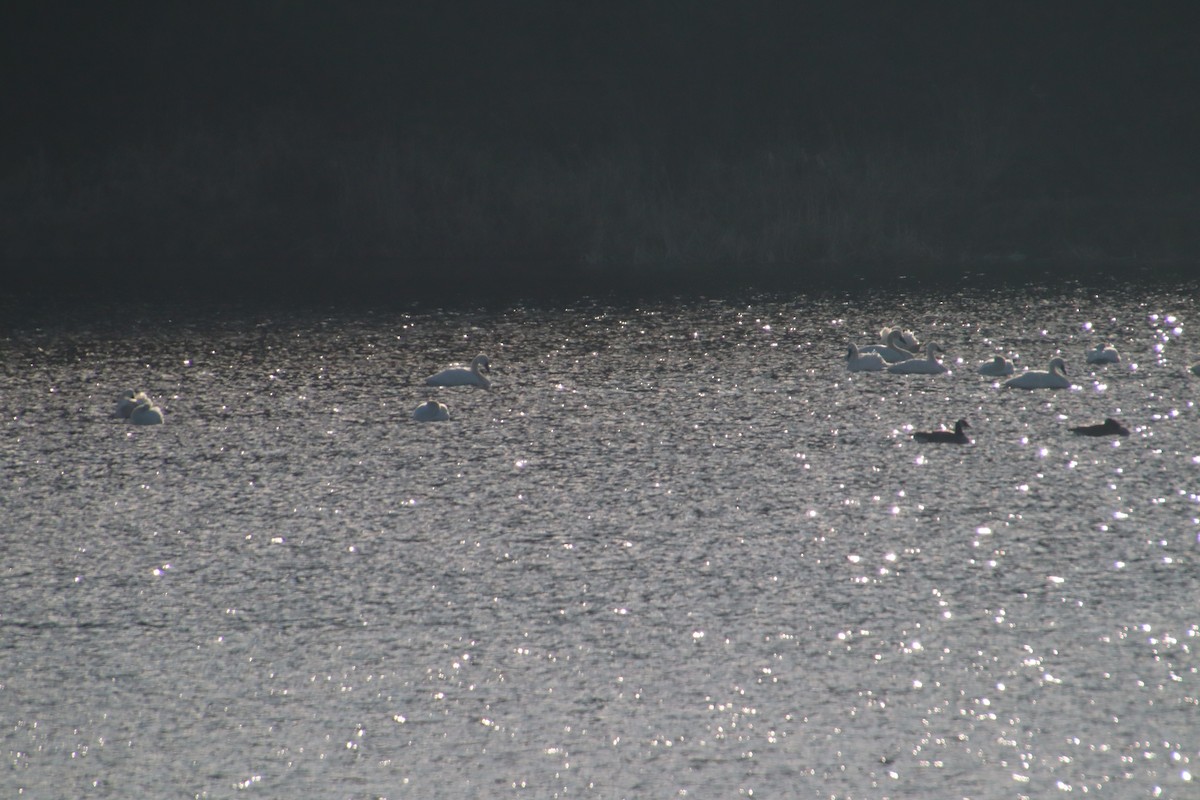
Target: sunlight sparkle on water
[648, 507]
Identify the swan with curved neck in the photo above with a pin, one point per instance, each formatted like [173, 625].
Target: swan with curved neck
[893, 350]
[1055, 377]
[863, 362]
[929, 365]
[907, 340]
[463, 376]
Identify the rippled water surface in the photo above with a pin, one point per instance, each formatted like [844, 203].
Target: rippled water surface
[675, 550]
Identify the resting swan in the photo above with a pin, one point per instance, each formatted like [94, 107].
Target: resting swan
[893, 351]
[1055, 377]
[863, 362]
[127, 402]
[146, 413]
[929, 365]
[1103, 354]
[998, 367]
[908, 340]
[431, 411]
[463, 376]
[956, 436]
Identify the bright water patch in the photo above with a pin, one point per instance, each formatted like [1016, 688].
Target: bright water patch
[676, 550]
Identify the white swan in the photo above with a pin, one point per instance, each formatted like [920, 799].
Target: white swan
[1103, 354]
[146, 413]
[893, 351]
[431, 411]
[127, 402]
[929, 365]
[908, 340]
[1055, 377]
[863, 362]
[997, 367]
[463, 376]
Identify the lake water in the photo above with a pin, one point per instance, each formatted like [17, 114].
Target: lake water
[677, 550]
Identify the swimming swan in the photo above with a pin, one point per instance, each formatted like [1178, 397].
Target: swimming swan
[894, 349]
[1103, 354]
[127, 402]
[955, 436]
[1110, 427]
[998, 367]
[1055, 377]
[863, 362]
[463, 376]
[146, 413]
[431, 411]
[929, 365]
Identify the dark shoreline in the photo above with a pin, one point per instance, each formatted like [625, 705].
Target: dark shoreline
[328, 286]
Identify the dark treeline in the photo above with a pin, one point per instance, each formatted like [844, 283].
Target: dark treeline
[516, 141]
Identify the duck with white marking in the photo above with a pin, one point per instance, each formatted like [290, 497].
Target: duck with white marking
[1110, 427]
[1055, 377]
[463, 376]
[998, 367]
[863, 362]
[929, 365]
[1103, 354]
[956, 436]
[431, 411]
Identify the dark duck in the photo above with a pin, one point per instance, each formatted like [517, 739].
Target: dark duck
[1110, 427]
[956, 436]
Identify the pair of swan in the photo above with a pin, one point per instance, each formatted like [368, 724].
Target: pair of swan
[895, 346]
[127, 402]
[138, 408]
[1055, 377]
[907, 340]
[874, 359]
[432, 410]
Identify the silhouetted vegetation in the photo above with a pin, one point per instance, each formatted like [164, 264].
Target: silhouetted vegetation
[525, 143]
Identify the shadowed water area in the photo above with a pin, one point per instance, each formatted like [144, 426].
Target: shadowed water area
[677, 549]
